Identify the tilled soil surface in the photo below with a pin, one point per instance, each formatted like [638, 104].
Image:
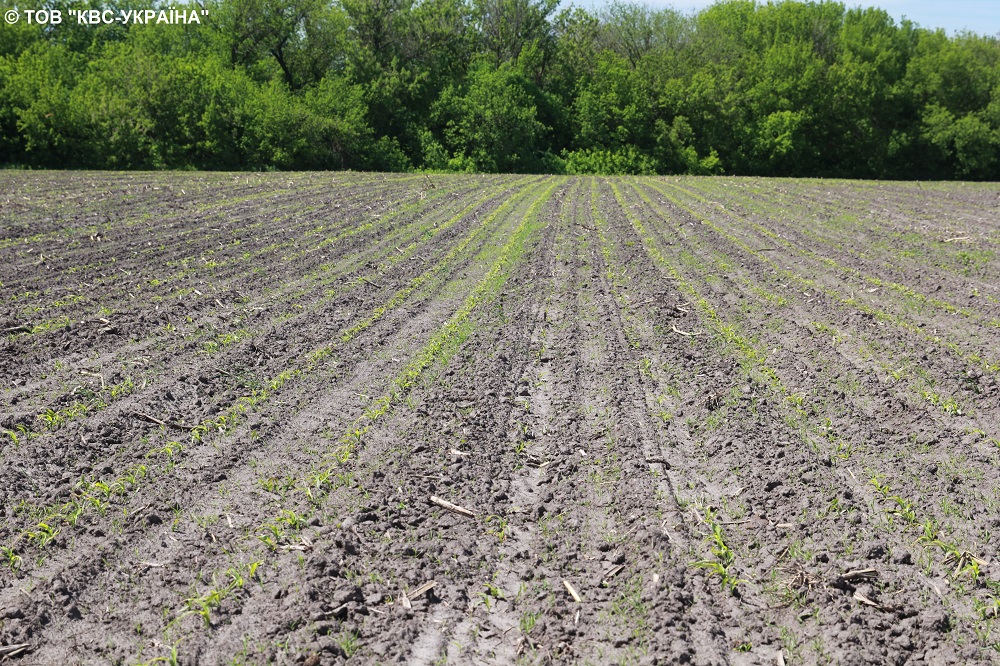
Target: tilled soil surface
[365, 418]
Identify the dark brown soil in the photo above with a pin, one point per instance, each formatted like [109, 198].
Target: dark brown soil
[701, 421]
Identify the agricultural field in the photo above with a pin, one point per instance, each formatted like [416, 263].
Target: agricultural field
[317, 418]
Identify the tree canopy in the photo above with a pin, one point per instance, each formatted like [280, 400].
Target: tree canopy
[742, 87]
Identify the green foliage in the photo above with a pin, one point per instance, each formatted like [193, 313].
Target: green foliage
[492, 123]
[970, 142]
[626, 160]
[38, 104]
[787, 88]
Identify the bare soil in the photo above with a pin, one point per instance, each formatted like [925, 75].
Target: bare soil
[366, 418]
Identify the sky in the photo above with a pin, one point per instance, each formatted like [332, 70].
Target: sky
[982, 16]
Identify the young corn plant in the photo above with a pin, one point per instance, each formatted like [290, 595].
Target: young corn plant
[10, 559]
[724, 556]
[42, 534]
[203, 604]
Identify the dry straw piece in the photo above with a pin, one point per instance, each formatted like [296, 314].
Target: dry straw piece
[573, 593]
[454, 508]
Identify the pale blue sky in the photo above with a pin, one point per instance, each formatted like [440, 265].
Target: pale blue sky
[982, 16]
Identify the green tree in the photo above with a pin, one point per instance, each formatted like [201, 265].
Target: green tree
[492, 124]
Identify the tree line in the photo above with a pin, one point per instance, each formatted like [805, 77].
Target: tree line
[779, 89]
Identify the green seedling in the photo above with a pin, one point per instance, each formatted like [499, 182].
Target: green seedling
[904, 509]
[724, 556]
[499, 527]
[877, 480]
[10, 559]
[527, 621]
[42, 534]
[349, 642]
